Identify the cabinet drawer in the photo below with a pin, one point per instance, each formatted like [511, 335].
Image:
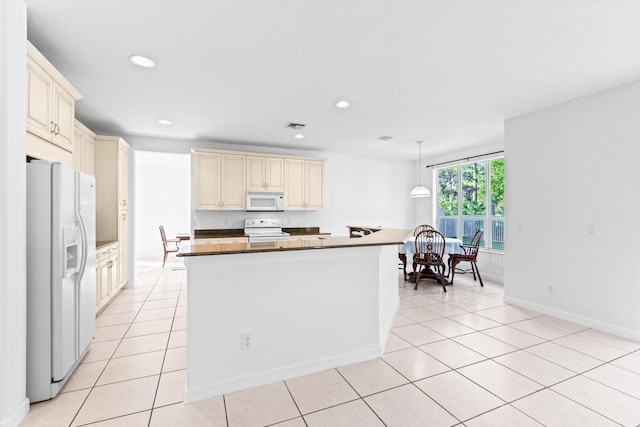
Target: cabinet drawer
[102, 254]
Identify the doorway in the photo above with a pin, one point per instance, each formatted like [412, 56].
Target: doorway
[162, 197]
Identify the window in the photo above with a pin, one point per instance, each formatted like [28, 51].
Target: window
[471, 196]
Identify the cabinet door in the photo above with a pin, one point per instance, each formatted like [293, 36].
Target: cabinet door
[314, 180]
[89, 161]
[294, 184]
[123, 238]
[256, 173]
[79, 148]
[104, 280]
[39, 88]
[207, 181]
[123, 176]
[63, 116]
[114, 271]
[233, 182]
[274, 174]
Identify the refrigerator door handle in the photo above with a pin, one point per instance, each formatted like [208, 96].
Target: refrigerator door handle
[83, 239]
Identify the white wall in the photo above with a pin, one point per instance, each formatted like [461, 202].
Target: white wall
[162, 197]
[13, 304]
[358, 190]
[570, 166]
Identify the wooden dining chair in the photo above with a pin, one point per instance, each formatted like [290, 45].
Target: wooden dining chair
[469, 254]
[169, 245]
[430, 245]
[403, 257]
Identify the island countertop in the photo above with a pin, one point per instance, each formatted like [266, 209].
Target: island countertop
[385, 236]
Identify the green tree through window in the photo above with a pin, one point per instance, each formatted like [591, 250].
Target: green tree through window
[471, 196]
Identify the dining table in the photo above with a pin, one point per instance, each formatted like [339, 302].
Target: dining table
[453, 246]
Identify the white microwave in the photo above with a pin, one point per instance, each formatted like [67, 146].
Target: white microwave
[265, 201]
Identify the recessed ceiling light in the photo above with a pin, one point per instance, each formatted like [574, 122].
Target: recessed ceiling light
[342, 104]
[298, 136]
[165, 122]
[142, 61]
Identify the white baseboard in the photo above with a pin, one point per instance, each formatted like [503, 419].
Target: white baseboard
[585, 321]
[240, 383]
[18, 415]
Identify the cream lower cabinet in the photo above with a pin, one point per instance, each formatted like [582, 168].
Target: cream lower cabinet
[235, 240]
[304, 184]
[305, 237]
[265, 173]
[107, 273]
[219, 181]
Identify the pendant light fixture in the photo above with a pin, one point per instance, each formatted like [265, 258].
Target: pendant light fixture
[420, 190]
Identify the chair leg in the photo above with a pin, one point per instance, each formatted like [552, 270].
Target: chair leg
[473, 270]
[403, 258]
[164, 261]
[416, 276]
[452, 270]
[441, 271]
[477, 271]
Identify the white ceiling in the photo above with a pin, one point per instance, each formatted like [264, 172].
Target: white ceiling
[444, 71]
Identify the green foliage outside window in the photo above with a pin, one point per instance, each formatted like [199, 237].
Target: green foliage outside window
[497, 187]
[448, 191]
[464, 203]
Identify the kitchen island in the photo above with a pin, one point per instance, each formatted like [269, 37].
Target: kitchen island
[269, 311]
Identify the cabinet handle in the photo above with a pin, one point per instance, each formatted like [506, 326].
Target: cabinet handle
[110, 264]
[124, 216]
[123, 203]
[53, 128]
[57, 129]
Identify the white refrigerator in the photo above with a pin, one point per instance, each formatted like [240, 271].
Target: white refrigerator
[61, 274]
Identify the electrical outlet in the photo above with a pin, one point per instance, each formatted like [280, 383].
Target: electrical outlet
[550, 290]
[246, 342]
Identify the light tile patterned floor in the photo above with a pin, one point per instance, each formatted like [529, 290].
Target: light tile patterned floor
[463, 358]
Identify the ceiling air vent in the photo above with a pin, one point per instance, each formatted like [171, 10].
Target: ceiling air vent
[292, 125]
[384, 137]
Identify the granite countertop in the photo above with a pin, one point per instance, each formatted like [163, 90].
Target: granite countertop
[386, 236]
[239, 232]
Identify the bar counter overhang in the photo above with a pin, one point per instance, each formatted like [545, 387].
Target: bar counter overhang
[308, 306]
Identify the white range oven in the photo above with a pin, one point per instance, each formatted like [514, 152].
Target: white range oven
[264, 230]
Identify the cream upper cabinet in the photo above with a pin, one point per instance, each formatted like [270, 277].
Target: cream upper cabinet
[265, 173]
[83, 149]
[50, 106]
[112, 197]
[207, 181]
[222, 178]
[219, 181]
[123, 172]
[123, 239]
[111, 171]
[304, 184]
